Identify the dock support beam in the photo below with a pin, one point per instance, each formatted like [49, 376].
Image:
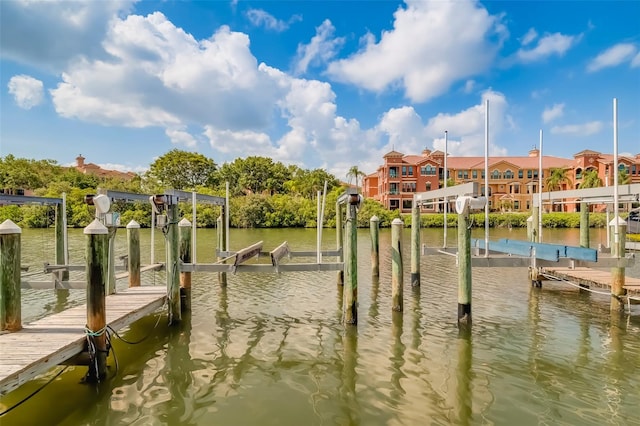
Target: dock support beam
[464, 269]
[133, 250]
[350, 295]
[415, 245]
[61, 258]
[97, 255]
[374, 225]
[584, 225]
[10, 295]
[185, 256]
[222, 244]
[618, 272]
[396, 265]
[339, 242]
[173, 279]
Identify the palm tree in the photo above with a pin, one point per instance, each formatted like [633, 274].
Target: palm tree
[623, 177]
[590, 179]
[355, 173]
[557, 177]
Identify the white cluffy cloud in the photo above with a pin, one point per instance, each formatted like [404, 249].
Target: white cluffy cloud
[530, 36]
[460, 40]
[26, 90]
[321, 48]
[585, 129]
[614, 56]
[548, 45]
[261, 18]
[553, 113]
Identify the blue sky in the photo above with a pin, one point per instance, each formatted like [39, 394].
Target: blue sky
[319, 84]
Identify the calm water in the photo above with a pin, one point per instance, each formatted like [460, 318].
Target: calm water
[270, 349]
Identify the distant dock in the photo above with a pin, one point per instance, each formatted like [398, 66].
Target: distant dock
[589, 277]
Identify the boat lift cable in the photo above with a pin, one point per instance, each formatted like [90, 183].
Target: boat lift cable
[32, 394]
[135, 342]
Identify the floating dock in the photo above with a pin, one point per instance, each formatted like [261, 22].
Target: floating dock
[52, 340]
[589, 277]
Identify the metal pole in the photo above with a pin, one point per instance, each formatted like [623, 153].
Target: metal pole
[415, 245]
[227, 245]
[374, 224]
[64, 229]
[194, 227]
[318, 226]
[486, 179]
[607, 216]
[153, 237]
[616, 230]
[339, 242]
[184, 252]
[446, 173]
[464, 269]
[540, 191]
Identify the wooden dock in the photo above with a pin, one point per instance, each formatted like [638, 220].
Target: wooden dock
[54, 339]
[592, 278]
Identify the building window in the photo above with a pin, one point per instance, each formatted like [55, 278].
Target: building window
[520, 174]
[427, 186]
[394, 204]
[465, 174]
[482, 174]
[407, 204]
[393, 188]
[535, 174]
[528, 205]
[409, 187]
[459, 174]
[529, 174]
[393, 172]
[428, 170]
[515, 188]
[474, 174]
[404, 170]
[508, 174]
[495, 174]
[516, 205]
[634, 170]
[410, 168]
[578, 173]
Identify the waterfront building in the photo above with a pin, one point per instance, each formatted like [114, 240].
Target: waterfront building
[512, 180]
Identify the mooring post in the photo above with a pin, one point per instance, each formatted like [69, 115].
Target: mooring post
[133, 251]
[61, 258]
[185, 257]
[374, 228]
[464, 268]
[97, 258]
[173, 278]
[618, 271]
[350, 305]
[536, 224]
[584, 225]
[10, 296]
[222, 245]
[339, 242]
[530, 228]
[111, 281]
[415, 245]
[396, 265]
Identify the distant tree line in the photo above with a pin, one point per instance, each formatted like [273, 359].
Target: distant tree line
[264, 193]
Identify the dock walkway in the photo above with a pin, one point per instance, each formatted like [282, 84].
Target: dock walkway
[592, 278]
[54, 339]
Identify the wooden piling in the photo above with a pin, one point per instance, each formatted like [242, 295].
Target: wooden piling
[185, 256]
[415, 245]
[111, 281]
[61, 258]
[133, 250]
[396, 265]
[10, 295]
[374, 225]
[464, 269]
[97, 258]
[350, 305]
[535, 214]
[222, 244]
[530, 228]
[584, 225]
[618, 272]
[340, 242]
[173, 277]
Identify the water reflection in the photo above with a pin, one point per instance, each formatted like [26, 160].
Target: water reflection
[464, 378]
[373, 307]
[349, 376]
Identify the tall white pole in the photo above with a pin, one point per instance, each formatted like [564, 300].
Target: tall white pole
[153, 236]
[324, 201]
[446, 172]
[194, 227]
[608, 218]
[319, 225]
[486, 177]
[540, 191]
[65, 236]
[616, 229]
[228, 247]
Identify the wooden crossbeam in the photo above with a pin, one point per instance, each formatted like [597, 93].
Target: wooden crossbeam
[246, 254]
[278, 253]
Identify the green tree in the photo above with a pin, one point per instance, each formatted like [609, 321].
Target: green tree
[355, 173]
[307, 183]
[22, 173]
[255, 175]
[181, 170]
[557, 177]
[623, 177]
[590, 179]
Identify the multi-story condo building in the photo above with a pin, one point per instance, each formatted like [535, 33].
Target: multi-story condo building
[512, 180]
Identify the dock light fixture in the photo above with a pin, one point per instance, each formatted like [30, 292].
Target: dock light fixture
[465, 203]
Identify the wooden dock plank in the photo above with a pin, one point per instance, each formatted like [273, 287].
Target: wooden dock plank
[52, 340]
[592, 277]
